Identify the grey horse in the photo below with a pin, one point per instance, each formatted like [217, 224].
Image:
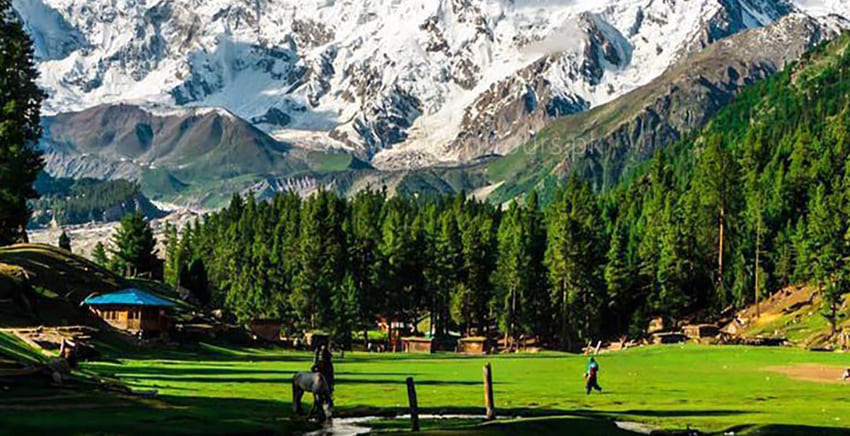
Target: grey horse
[316, 384]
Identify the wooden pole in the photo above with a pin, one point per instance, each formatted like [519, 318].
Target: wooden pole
[758, 249]
[488, 393]
[414, 407]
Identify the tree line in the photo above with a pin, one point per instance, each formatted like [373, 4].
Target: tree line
[76, 201]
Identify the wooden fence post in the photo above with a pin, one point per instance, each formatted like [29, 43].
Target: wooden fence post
[488, 393]
[414, 407]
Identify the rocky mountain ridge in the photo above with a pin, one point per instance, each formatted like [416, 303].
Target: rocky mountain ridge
[403, 84]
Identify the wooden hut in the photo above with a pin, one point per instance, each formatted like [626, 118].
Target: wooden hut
[132, 310]
[417, 345]
[700, 331]
[473, 345]
[668, 338]
[266, 329]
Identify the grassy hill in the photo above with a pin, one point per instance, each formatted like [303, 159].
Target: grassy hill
[45, 285]
[14, 351]
[793, 313]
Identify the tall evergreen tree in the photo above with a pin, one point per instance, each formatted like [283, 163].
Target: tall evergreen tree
[193, 276]
[134, 245]
[575, 261]
[717, 184]
[448, 263]
[65, 241]
[344, 306]
[826, 237]
[99, 255]
[173, 258]
[20, 129]
[365, 234]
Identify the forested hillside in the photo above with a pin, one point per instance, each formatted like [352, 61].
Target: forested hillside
[758, 199]
[71, 201]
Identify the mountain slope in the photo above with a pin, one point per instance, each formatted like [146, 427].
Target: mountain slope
[176, 152]
[68, 201]
[403, 83]
[604, 144]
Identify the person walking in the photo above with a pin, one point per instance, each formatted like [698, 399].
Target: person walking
[323, 364]
[591, 375]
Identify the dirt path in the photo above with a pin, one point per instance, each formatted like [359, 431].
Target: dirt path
[811, 372]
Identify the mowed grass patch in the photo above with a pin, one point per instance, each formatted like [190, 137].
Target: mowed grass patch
[219, 390]
[709, 388]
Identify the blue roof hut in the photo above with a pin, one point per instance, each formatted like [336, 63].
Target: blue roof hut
[132, 310]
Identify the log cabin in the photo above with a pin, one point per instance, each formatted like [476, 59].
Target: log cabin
[132, 310]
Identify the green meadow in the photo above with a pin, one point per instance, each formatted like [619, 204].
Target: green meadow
[216, 390]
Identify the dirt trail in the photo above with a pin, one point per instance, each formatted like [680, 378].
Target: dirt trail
[811, 372]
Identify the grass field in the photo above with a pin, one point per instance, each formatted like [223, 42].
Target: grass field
[224, 391]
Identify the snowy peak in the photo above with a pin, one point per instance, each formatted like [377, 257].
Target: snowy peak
[403, 83]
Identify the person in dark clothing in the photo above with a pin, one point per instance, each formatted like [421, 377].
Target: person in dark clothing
[591, 375]
[323, 364]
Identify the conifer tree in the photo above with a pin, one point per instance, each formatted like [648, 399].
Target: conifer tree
[99, 255]
[478, 240]
[193, 276]
[65, 241]
[511, 277]
[716, 181]
[20, 129]
[171, 267]
[461, 306]
[344, 305]
[825, 236]
[134, 245]
[618, 274]
[393, 250]
[365, 234]
[449, 261]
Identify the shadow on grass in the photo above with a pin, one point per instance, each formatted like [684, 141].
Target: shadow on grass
[211, 379]
[130, 371]
[402, 381]
[282, 379]
[165, 370]
[661, 413]
[787, 430]
[160, 415]
[539, 426]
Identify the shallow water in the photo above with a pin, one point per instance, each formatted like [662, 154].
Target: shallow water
[636, 427]
[360, 425]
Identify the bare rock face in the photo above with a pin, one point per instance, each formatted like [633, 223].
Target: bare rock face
[602, 144]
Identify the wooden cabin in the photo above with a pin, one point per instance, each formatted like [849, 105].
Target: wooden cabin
[266, 329]
[473, 345]
[700, 331]
[132, 310]
[417, 345]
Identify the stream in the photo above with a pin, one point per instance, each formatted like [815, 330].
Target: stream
[361, 425]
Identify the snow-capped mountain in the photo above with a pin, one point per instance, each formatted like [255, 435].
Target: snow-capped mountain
[400, 82]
